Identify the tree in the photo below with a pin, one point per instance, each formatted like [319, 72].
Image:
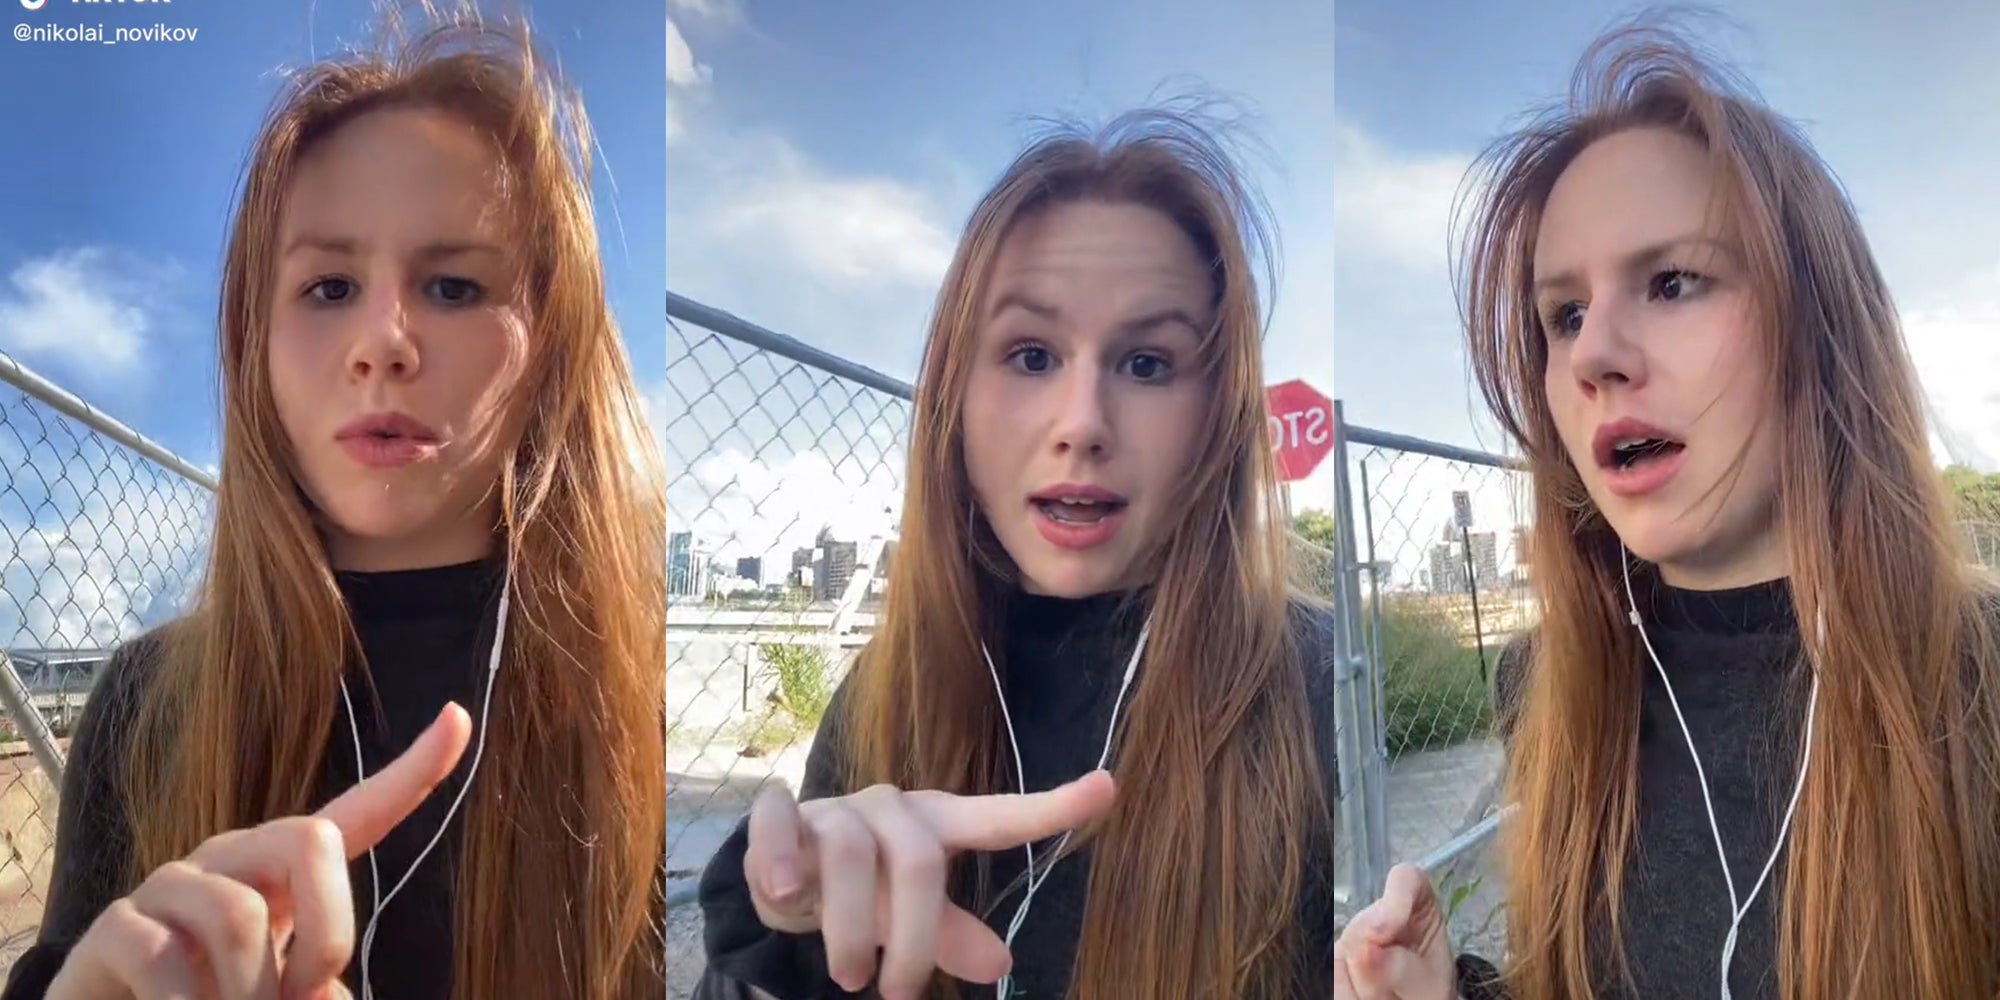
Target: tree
[1978, 494]
[1317, 527]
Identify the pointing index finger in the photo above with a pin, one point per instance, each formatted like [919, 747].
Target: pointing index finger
[368, 811]
[998, 822]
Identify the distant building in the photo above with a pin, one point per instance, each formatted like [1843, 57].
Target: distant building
[1447, 569]
[1485, 558]
[834, 566]
[801, 576]
[751, 568]
[690, 566]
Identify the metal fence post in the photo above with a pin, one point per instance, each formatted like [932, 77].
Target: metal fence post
[34, 728]
[1360, 742]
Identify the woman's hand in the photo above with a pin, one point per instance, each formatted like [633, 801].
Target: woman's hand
[1398, 948]
[259, 914]
[867, 871]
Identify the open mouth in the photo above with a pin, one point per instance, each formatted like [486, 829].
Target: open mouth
[1631, 453]
[1077, 510]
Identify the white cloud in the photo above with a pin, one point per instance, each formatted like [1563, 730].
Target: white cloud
[79, 307]
[687, 79]
[769, 214]
[682, 69]
[710, 10]
[854, 230]
[1392, 206]
[1955, 342]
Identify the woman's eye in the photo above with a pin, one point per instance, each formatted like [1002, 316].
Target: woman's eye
[1149, 367]
[1674, 284]
[330, 291]
[1032, 360]
[456, 291]
[1564, 319]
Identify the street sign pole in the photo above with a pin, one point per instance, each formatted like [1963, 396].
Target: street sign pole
[1461, 503]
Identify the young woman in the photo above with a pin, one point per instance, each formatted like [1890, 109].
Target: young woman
[436, 492]
[1754, 739]
[1091, 574]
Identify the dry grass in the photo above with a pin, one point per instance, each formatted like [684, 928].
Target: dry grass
[27, 851]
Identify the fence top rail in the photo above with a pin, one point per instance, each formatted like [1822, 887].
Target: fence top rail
[70, 405]
[1370, 437]
[742, 330]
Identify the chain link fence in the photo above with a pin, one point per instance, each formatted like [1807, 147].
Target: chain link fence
[102, 534]
[1442, 550]
[784, 488]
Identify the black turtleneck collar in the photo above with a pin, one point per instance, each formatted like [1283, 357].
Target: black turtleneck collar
[1069, 651]
[459, 591]
[1758, 609]
[1041, 616]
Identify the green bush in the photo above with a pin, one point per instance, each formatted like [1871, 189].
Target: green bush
[800, 700]
[1432, 691]
[802, 683]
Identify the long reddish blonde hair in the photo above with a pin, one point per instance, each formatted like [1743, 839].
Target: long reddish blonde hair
[1195, 875]
[568, 811]
[1891, 885]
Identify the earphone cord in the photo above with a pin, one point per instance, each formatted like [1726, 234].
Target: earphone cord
[1737, 911]
[381, 901]
[1020, 776]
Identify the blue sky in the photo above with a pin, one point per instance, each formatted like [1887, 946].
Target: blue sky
[823, 157]
[1897, 102]
[125, 160]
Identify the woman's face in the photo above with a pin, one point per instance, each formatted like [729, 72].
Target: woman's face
[1657, 376]
[1083, 404]
[397, 330]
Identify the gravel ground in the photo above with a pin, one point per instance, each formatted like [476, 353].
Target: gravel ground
[683, 951]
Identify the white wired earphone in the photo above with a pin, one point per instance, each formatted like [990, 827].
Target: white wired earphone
[1004, 987]
[479, 748]
[1737, 909]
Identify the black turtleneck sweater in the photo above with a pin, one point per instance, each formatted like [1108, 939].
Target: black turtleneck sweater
[1062, 665]
[425, 635]
[1735, 662]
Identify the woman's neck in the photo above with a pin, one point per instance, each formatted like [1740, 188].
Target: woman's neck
[1733, 565]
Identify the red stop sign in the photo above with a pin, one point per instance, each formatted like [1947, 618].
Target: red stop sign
[1301, 428]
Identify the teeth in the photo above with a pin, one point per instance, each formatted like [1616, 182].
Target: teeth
[1078, 502]
[1628, 444]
